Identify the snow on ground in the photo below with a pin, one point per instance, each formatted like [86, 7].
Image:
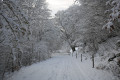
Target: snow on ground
[61, 67]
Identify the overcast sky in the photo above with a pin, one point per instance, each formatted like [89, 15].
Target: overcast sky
[56, 5]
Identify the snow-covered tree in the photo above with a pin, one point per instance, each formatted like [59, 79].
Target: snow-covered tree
[27, 35]
[13, 32]
[67, 21]
[114, 15]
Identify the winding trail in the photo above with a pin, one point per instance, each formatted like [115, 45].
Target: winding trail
[62, 67]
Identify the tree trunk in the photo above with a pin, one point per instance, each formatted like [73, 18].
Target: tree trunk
[81, 57]
[93, 61]
[76, 55]
[12, 69]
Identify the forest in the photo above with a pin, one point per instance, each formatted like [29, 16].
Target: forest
[29, 34]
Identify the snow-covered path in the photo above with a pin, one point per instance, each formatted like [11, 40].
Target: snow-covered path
[61, 68]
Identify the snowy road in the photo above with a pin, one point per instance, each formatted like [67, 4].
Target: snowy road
[61, 68]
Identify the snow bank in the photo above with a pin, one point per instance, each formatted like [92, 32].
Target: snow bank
[107, 50]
